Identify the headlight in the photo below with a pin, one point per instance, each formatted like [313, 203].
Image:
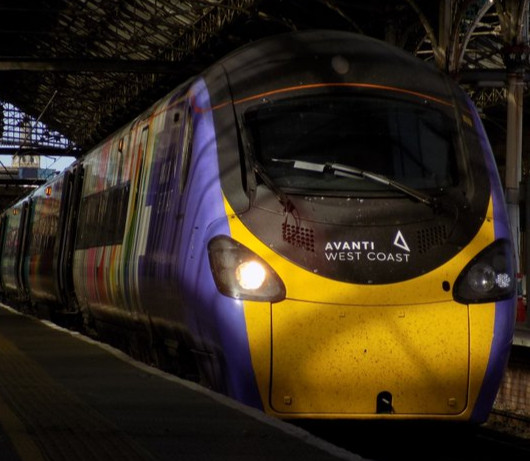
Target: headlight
[481, 278]
[251, 275]
[240, 273]
[488, 277]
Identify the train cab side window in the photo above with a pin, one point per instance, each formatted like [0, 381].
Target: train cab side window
[187, 144]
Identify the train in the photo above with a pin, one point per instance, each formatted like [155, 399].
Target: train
[314, 226]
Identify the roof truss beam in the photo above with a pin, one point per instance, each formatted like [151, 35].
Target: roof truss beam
[86, 65]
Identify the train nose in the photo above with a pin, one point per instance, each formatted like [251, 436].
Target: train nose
[325, 360]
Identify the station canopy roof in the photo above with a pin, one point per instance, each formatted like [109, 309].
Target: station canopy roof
[86, 67]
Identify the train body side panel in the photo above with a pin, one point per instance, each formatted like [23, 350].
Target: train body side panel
[97, 283]
[160, 276]
[215, 321]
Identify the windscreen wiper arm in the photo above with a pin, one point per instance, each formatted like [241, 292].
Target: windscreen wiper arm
[277, 191]
[338, 169]
[348, 171]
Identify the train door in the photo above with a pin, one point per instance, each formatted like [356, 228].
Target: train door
[168, 177]
[67, 230]
[163, 198]
[18, 236]
[184, 160]
[134, 235]
[157, 243]
[164, 217]
[11, 242]
[23, 266]
[3, 223]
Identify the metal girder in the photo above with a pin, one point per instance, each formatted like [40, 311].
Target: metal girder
[488, 97]
[20, 182]
[119, 95]
[87, 65]
[109, 59]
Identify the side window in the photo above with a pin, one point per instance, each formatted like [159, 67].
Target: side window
[122, 148]
[43, 231]
[187, 145]
[102, 218]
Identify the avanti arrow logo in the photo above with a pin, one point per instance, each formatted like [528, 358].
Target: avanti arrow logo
[400, 241]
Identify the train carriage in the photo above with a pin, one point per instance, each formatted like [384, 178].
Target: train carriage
[314, 226]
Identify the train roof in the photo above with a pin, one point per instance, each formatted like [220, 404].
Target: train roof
[367, 60]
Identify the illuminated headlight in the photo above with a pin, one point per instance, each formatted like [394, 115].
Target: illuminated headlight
[250, 275]
[240, 273]
[488, 277]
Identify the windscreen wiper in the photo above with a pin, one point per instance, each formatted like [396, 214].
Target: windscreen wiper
[278, 192]
[338, 169]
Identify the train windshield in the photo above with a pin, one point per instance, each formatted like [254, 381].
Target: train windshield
[407, 142]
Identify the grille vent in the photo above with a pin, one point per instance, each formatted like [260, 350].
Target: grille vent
[301, 237]
[431, 237]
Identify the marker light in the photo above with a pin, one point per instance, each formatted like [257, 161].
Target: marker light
[240, 273]
[488, 277]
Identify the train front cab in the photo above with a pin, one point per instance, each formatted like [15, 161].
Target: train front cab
[375, 320]
[317, 354]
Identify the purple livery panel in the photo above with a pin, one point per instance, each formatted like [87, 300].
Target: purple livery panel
[221, 319]
[504, 310]
[175, 280]
[160, 276]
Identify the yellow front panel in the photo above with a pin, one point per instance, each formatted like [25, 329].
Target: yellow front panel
[337, 359]
[331, 347]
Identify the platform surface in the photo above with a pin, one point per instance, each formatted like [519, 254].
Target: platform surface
[66, 397]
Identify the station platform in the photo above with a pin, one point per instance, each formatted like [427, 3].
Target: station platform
[66, 397]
